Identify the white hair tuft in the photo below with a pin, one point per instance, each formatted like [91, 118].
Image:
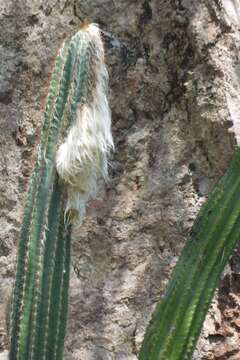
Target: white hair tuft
[83, 155]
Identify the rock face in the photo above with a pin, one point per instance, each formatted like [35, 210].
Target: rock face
[175, 94]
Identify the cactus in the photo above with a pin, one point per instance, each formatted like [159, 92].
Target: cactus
[75, 142]
[177, 320]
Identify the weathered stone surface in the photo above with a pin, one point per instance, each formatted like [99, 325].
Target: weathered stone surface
[174, 80]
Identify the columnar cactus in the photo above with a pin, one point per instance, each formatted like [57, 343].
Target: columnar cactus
[178, 318]
[75, 141]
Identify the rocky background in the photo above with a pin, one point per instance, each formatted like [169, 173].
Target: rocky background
[175, 97]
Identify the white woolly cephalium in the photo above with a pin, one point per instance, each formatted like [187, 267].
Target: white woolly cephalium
[83, 155]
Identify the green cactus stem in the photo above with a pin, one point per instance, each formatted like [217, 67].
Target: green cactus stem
[40, 298]
[178, 318]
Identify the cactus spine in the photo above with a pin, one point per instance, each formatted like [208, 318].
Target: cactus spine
[55, 197]
[176, 323]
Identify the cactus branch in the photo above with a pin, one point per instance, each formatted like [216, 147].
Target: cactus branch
[176, 323]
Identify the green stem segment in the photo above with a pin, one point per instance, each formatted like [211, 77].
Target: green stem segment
[178, 318]
[40, 298]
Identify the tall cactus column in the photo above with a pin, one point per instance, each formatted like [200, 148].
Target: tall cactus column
[75, 141]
